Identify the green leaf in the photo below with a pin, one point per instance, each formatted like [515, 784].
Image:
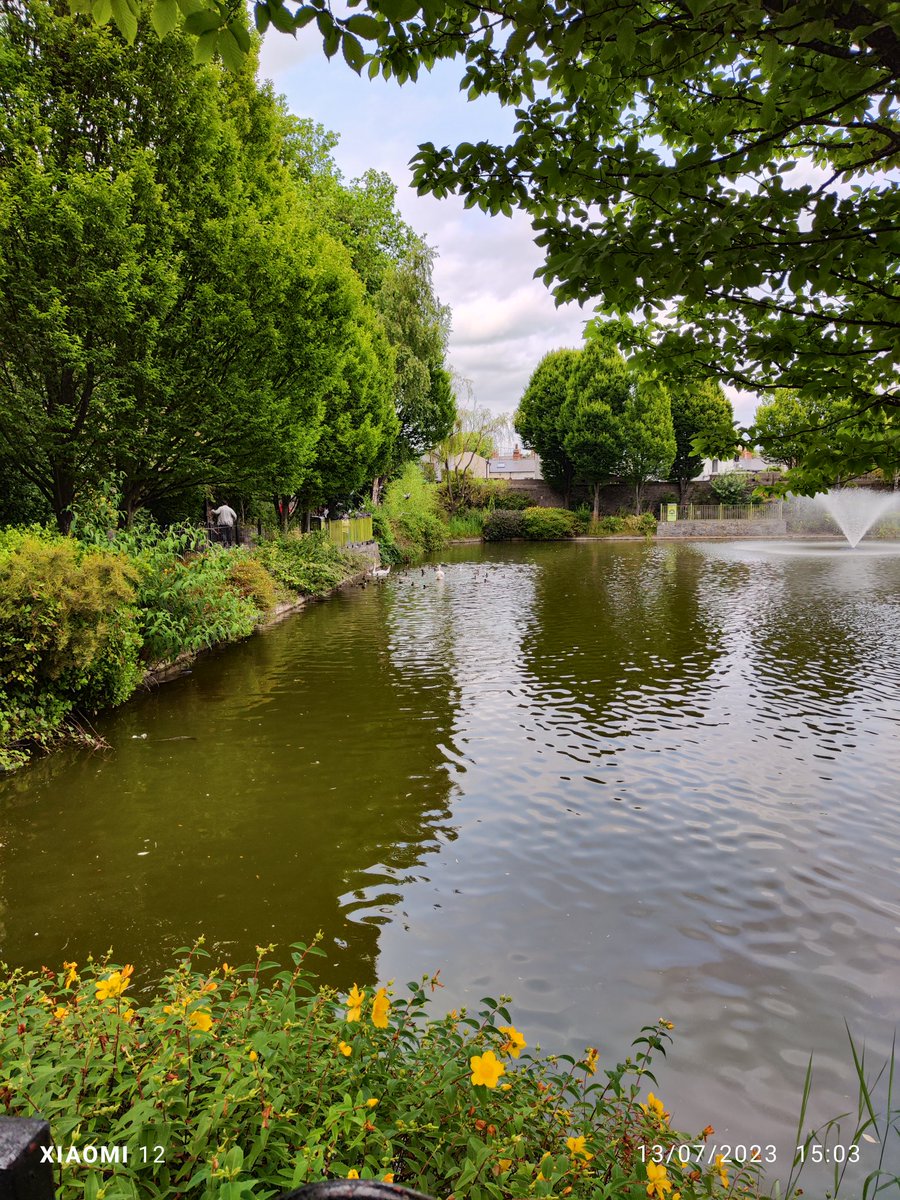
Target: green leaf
[125, 19]
[232, 55]
[364, 25]
[399, 10]
[282, 19]
[625, 37]
[205, 46]
[164, 16]
[203, 21]
[241, 35]
[354, 55]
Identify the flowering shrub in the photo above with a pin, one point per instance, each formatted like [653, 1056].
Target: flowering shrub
[252, 1081]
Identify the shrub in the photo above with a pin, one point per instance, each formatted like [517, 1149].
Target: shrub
[548, 524]
[646, 524]
[503, 524]
[612, 524]
[254, 1081]
[410, 512]
[249, 578]
[388, 549]
[69, 636]
[306, 563]
[730, 488]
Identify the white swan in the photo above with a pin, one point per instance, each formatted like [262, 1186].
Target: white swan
[439, 572]
[381, 572]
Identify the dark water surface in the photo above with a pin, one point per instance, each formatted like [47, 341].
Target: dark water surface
[618, 781]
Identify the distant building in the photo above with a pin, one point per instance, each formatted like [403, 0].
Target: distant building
[469, 463]
[514, 466]
[746, 460]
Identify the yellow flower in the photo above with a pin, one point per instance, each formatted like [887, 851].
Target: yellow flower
[60, 1011]
[505, 1087]
[515, 1043]
[71, 973]
[655, 1106]
[658, 1182]
[389, 1178]
[546, 1161]
[353, 1173]
[355, 1003]
[253, 1056]
[720, 1167]
[486, 1069]
[504, 1163]
[590, 1062]
[128, 1016]
[371, 1103]
[381, 1006]
[577, 1148]
[226, 970]
[200, 1019]
[109, 989]
[345, 1049]
[666, 1024]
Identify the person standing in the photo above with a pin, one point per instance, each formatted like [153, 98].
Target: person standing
[226, 519]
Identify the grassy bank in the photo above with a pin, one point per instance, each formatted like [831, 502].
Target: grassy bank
[419, 518]
[255, 1080]
[83, 621]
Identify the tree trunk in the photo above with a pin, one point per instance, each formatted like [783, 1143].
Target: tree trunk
[638, 496]
[682, 489]
[376, 490]
[63, 495]
[597, 500]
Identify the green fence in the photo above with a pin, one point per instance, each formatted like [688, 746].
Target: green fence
[770, 511]
[349, 530]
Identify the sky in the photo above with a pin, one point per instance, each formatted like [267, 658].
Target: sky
[504, 320]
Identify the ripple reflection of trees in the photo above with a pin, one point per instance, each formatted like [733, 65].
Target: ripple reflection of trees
[620, 631]
[825, 630]
[304, 793]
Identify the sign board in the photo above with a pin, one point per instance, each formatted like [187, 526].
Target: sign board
[671, 512]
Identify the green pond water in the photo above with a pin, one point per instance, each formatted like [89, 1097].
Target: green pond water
[618, 781]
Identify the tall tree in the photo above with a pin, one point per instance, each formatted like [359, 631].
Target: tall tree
[600, 386]
[669, 135]
[537, 420]
[648, 436]
[418, 327]
[701, 414]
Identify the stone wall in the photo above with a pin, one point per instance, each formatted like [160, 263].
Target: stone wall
[613, 496]
[724, 529]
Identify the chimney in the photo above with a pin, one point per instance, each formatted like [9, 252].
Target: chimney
[517, 453]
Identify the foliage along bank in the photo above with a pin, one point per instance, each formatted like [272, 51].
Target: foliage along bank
[255, 1080]
[83, 621]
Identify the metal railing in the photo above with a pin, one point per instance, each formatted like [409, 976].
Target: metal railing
[771, 510]
[348, 531]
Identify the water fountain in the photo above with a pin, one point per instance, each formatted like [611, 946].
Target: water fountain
[856, 510]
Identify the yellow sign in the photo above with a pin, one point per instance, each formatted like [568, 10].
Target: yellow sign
[671, 512]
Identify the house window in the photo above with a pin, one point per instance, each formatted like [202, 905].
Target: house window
[714, 469]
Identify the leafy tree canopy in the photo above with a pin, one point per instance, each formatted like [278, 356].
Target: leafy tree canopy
[730, 157]
[701, 414]
[537, 420]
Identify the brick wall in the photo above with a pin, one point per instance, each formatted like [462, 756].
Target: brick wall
[674, 529]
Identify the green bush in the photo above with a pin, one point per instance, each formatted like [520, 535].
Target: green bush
[249, 578]
[612, 524]
[388, 549]
[730, 488]
[646, 524]
[254, 1081]
[548, 524]
[503, 524]
[69, 637]
[410, 511]
[466, 492]
[308, 563]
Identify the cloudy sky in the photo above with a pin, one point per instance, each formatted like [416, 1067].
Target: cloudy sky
[504, 320]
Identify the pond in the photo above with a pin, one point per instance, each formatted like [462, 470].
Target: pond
[618, 781]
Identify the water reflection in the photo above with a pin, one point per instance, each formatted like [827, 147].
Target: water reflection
[284, 786]
[618, 781]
